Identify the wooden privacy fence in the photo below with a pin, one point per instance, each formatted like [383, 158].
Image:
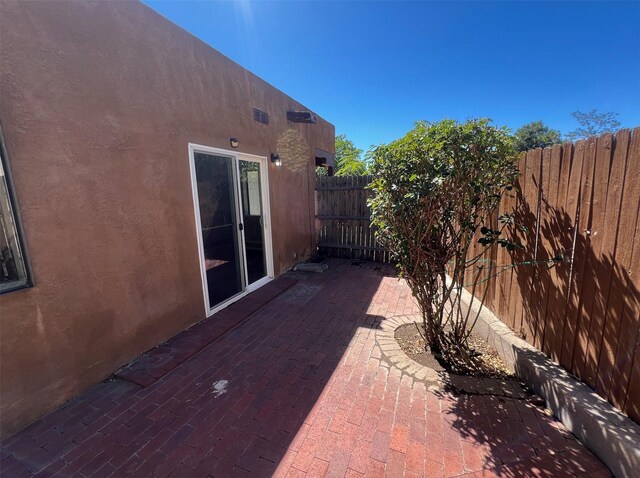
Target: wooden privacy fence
[582, 201]
[343, 222]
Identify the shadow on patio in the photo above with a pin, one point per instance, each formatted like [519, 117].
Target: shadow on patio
[308, 392]
[277, 364]
[512, 438]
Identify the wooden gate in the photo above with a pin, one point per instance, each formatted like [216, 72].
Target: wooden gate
[343, 222]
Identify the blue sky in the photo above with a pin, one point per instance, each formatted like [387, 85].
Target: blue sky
[374, 68]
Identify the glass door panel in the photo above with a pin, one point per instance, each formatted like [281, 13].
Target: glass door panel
[219, 226]
[253, 219]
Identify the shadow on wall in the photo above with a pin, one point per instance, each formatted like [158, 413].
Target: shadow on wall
[583, 311]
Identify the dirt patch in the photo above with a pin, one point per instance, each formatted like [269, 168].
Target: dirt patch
[487, 363]
[489, 375]
[411, 341]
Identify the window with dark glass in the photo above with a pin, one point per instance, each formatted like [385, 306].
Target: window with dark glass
[14, 273]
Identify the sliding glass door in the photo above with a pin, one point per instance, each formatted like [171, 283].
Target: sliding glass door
[253, 220]
[219, 226]
[232, 219]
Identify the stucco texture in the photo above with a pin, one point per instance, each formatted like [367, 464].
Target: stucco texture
[98, 103]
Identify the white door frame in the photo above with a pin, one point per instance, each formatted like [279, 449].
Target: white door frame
[266, 214]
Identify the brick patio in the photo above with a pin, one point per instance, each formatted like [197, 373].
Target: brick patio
[309, 393]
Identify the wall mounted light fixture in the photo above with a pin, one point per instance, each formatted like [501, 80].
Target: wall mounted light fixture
[275, 159]
[234, 142]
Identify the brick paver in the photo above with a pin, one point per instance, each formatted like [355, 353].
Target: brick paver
[308, 393]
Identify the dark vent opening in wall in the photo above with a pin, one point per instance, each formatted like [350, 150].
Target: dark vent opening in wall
[302, 117]
[260, 116]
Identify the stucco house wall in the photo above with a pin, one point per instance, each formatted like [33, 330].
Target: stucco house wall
[98, 103]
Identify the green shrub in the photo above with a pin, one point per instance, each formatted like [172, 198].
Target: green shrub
[434, 189]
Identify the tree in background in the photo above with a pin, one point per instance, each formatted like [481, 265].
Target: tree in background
[535, 135]
[348, 158]
[593, 123]
[434, 189]
[322, 171]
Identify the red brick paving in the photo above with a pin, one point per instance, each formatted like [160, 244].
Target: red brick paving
[308, 395]
[161, 360]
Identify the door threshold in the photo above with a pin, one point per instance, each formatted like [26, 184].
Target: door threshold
[157, 362]
[252, 287]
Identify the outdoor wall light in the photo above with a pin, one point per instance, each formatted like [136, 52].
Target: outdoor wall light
[275, 159]
[234, 142]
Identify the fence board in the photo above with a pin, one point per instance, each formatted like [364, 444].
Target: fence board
[549, 244]
[540, 287]
[498, 296]
[583, 257]
[560, 230]
[530, 240]
[604, 224]
[515, 300]
[578, 255]
[621, 254]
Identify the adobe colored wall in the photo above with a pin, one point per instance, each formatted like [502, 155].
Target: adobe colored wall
[98, 103]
